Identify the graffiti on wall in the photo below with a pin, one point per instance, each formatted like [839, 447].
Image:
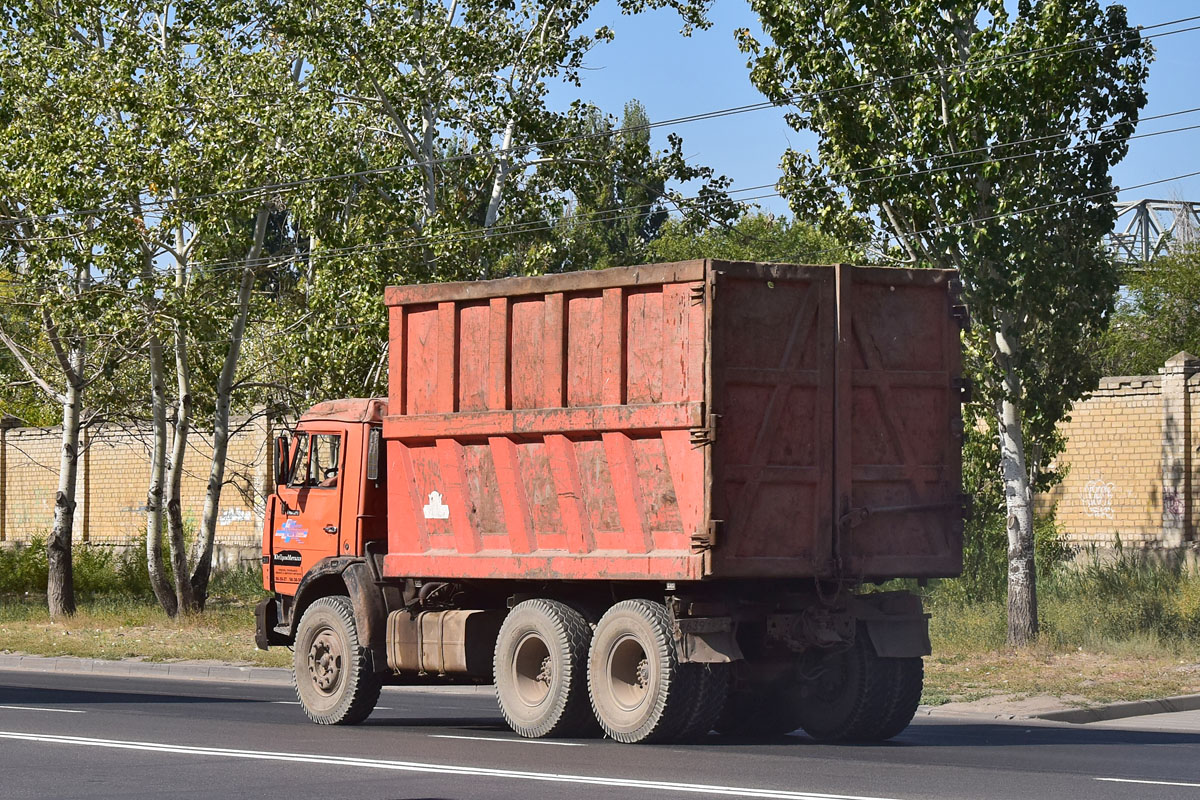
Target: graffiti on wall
[1098, 498]
[1173, 505]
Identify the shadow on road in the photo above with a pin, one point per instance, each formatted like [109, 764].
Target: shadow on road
[12, 695]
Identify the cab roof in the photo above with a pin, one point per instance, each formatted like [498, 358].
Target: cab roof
[355, 409]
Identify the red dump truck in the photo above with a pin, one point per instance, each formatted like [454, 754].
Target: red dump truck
[645, 501]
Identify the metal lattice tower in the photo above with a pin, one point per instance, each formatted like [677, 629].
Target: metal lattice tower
[1153, 228]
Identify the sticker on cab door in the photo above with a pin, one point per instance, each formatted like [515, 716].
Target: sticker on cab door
[291, 531]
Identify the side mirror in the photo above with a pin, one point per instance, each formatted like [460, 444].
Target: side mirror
[281, 460]
[374, 436]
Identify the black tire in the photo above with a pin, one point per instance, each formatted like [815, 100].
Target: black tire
[539, 666]
[860, 697]
[331, 670]
[639, 690]
[907, 679]
[708, 701]
[764, 709]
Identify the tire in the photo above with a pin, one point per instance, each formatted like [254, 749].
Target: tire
[639, 690]
[331, 670]
[539, 665]
[764, 709]
[861, 697]
[907, 679]
[708, 701]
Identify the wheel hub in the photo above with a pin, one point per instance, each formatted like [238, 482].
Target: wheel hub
[325, 661]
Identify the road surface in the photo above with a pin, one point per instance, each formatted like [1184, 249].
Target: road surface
[86, 736]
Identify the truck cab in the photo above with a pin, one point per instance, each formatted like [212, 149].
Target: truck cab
[330, 491]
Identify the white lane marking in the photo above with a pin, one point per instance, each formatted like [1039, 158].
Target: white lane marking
[1153, 783]
[509, 741]
[40, 708]
[440, 769]
[297, 702]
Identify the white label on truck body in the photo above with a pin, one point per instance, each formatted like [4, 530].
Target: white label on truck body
[436, 508]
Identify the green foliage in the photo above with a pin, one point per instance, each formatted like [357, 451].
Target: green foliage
[110, 572]
[754, 237]
[1157, 315]
[1122, 601]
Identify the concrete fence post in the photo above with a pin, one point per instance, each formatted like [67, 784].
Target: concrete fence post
[1176, 449]
[6, 422]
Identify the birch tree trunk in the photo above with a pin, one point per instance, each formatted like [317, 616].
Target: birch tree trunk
[158, 463]
[216, 475]
[60, 582]
[1018, 496]
[183, 421]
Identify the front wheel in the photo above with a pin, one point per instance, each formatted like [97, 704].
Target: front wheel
[330, 669]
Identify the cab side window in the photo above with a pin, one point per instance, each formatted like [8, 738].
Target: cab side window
[317, 460]
[326, 452]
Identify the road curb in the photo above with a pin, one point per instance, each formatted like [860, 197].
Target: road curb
[1136, 708]
[214, 672]
[225, 673]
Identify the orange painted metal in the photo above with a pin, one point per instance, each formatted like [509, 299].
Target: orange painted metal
[675, 422]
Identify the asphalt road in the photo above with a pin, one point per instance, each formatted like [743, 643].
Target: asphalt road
[76, 736]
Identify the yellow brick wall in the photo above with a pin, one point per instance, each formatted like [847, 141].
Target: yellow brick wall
[114, 473]
[1113, 465]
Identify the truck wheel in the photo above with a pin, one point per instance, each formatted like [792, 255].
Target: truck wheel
[708, 702]
[860, 696]
[539, 664]
[330, 669]
[639, 690]
[905, 682]
[764, 709]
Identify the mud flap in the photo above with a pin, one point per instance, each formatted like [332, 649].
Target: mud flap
[895, 623]
[706, 640]
[266, 619]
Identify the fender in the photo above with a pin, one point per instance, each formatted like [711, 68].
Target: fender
[353, 577]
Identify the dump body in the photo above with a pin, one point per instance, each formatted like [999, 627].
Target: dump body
[679, 422]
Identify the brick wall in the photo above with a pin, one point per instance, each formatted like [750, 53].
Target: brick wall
[114, 473]
[1129, 464]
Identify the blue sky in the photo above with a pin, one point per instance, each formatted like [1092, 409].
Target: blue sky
[673, 77]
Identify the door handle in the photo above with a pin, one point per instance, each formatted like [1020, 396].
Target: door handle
[331, 528]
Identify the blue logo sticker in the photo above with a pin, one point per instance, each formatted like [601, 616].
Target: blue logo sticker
[292, 531]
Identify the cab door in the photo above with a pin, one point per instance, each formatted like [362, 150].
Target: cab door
[307, 518]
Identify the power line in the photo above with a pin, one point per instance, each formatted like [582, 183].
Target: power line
[612, 214]
[1011, 58]
[601, 215]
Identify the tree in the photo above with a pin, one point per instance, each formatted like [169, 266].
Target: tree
[755, 237]
[982, 139]
[65, 146]
[461, 170]
[1157, 315]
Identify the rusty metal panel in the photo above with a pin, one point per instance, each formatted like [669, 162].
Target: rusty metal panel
[899, 472]
[772, 401]
[675, 422]
[540, 428]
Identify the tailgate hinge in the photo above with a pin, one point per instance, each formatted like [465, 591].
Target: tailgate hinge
[707, 539]
[707, 434]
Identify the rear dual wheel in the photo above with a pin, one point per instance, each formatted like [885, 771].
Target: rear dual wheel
[860, 696]
[539, 665]
[640, 692]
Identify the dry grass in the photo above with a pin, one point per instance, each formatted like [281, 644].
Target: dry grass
[127, 629]
[1082, 676]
